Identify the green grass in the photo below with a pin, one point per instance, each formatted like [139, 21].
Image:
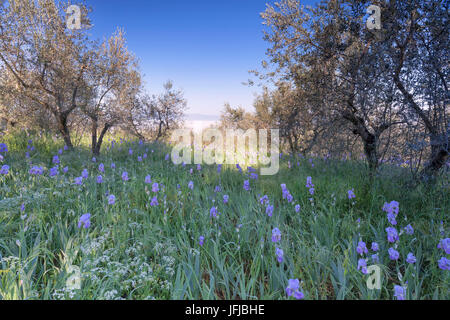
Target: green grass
[135, 251]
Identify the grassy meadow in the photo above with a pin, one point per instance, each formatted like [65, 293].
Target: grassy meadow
[160, 231]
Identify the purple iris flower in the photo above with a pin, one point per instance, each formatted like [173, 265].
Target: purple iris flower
[246, 185]
[154, 202]
[393, 254]
[392, 234]
[111, 199]
[279, 253]
[411, 258]
[399, 292]
[269, 210]
[276, 235]
[293, 289]
[85, 221]
[4, 170]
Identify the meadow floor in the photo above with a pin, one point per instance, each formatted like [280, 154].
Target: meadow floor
[147, 229]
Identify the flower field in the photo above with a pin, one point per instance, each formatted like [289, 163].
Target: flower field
[132, 225]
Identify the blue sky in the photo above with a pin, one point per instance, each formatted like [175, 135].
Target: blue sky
[205, 47]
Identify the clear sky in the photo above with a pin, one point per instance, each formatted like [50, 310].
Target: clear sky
[206, 47]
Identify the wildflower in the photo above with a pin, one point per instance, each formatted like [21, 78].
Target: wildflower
[85, 220]
[199, 167]
[264, 199]
[309, 183]
[55, 160]
[393, 254]
[3, 148]
[254, 176]
[225, 199]
[399, 292]
[167, 157]
[111, 199]
[276, 235]
[94, 159]
[297, 208]
[289, 197]
[392, 207]
[35, 170]
[101, 167]
[148, 179]
[53, 171]
[155, 187]
[4, 170]
[375, 246]
[293, 289]
[85, 174]
[125, 176]
[392, 234]
[269, 210]
[279, 253]
[213, 212]
[113, 165]
[251, 169]
[375, 258]
[298, 294]
[351, 194]
[191, 185]
[65, 169]
[219, 168]
[362, 264]
[411, 258]
[409, 230]
[154, 202]
[139, 159]
[201, 241]
[99, 179]
[444, 263]
[444, 244]
[392, 218]
[79, 181]
[361, 249]
[217, 189]
[311, 191]
[130, 152]
[246, 185]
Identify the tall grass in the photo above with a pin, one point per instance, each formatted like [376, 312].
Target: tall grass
[133, 250]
